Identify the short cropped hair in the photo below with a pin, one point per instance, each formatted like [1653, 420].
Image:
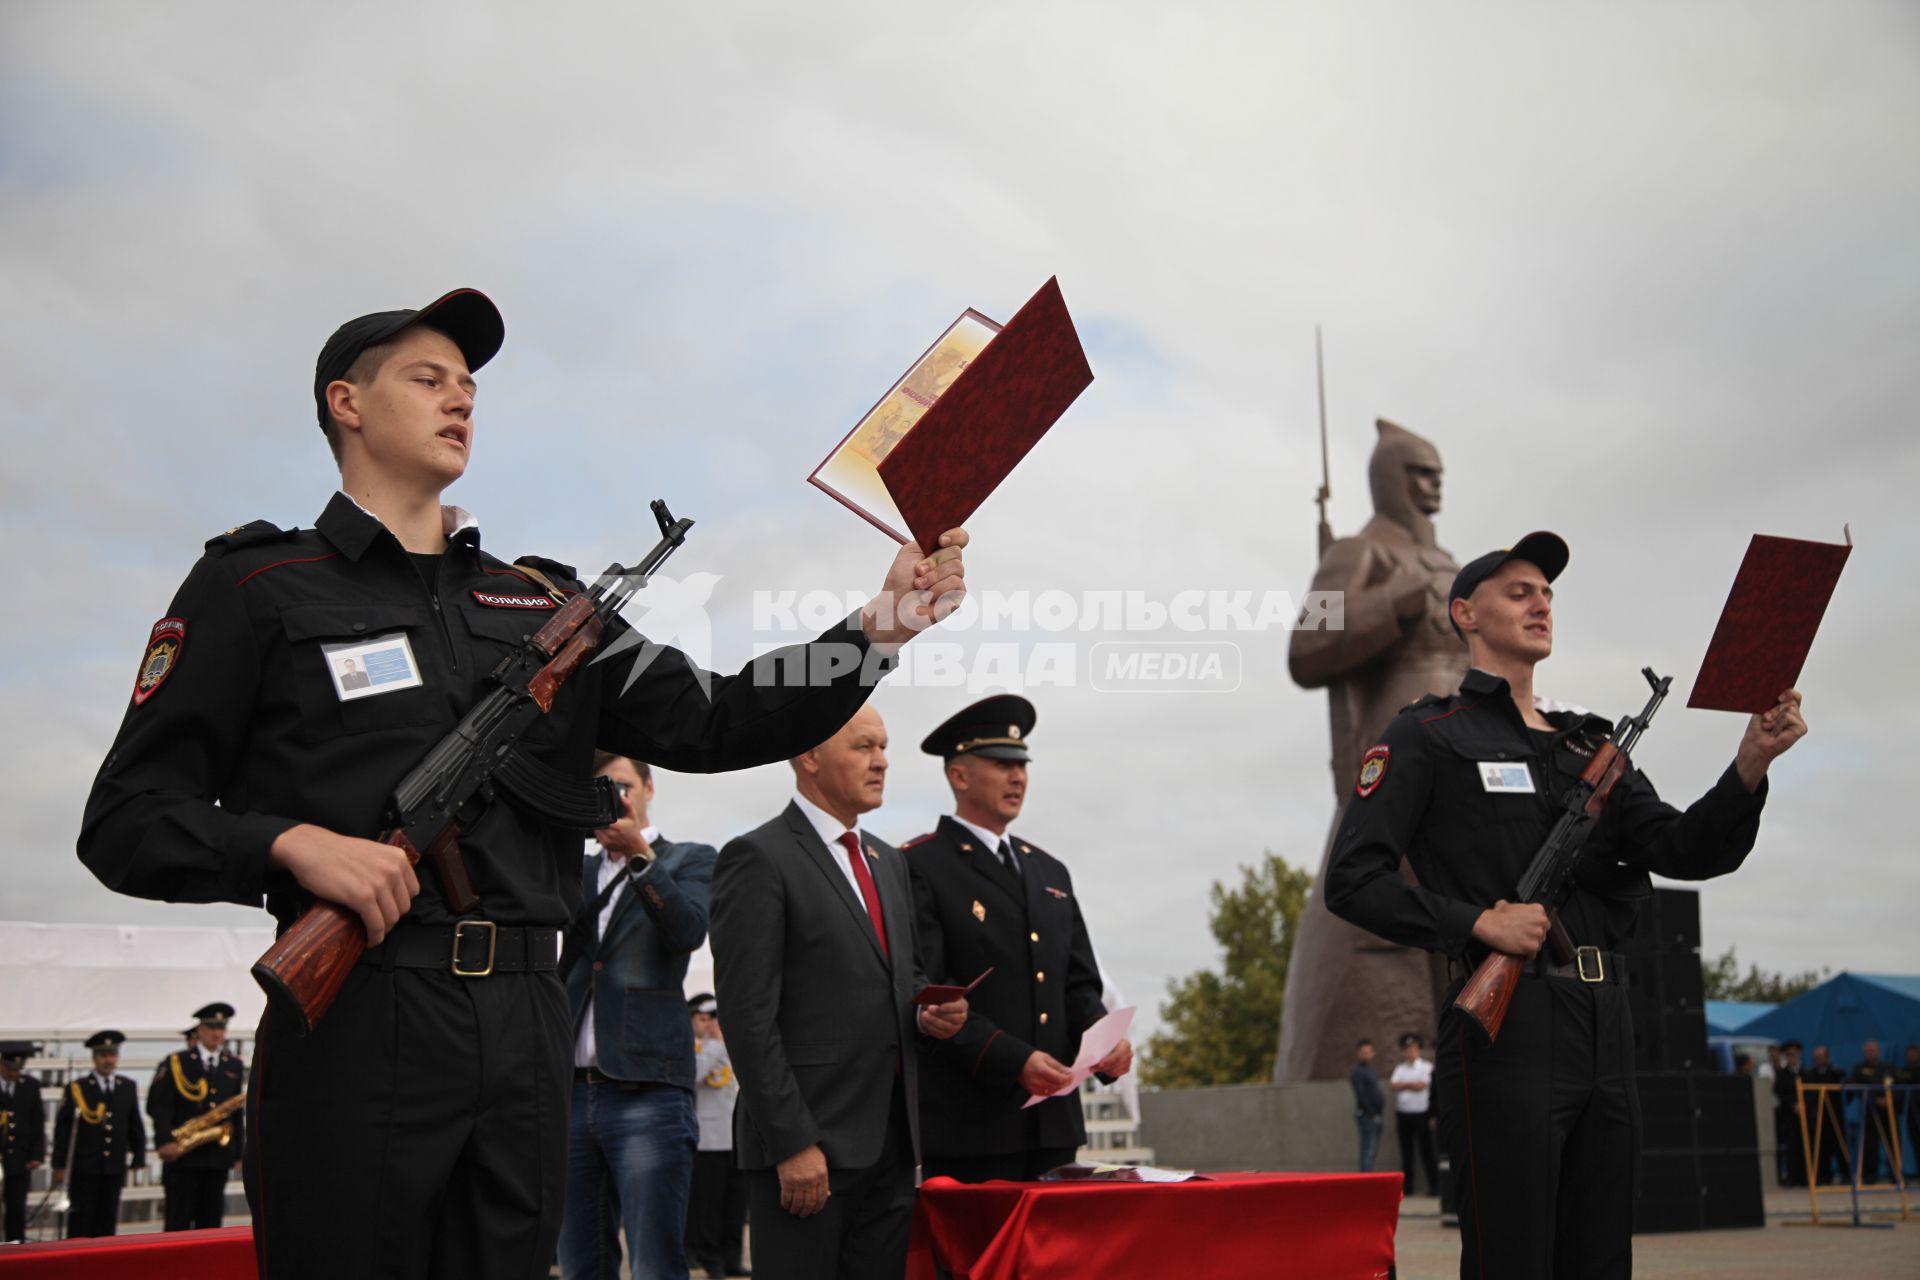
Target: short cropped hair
[601, 759]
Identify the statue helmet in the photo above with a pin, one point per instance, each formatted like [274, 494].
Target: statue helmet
[1397, 449]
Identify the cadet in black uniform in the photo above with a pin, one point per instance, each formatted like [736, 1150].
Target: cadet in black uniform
[98, 1135]
[986, 898]
[23, 1131]
[420, 1131]
[1541, 1127]
[189, 1083]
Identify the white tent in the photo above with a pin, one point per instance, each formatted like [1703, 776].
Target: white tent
[66, 981]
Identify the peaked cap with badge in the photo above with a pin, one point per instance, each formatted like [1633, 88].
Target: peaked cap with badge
[996, 727]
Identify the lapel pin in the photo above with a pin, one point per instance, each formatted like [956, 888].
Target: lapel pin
[979, 912]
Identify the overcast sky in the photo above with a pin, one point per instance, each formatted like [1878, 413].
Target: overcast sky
[1648, 274]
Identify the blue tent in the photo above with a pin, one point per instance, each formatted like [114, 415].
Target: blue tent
[1730, 1017]
[1845, 1011]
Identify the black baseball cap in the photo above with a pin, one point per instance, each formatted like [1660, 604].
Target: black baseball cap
[466, 315]
[1545, 551]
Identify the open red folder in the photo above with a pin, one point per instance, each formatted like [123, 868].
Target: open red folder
[957, 423]
[1768, 624]
[941, 995]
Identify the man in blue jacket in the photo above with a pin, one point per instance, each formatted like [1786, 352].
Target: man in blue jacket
[632, 1131]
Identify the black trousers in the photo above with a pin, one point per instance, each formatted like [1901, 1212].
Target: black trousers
[16, 1198]
[716, 1212]
[93, 1207]
[1414, 1130]
[195, 1198]
[420, 1131]
[1015, 1166]
[860, 1235]
[1541, 1129]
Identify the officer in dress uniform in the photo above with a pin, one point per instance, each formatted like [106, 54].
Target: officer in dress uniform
[97, 1134]
[986, 898]
[23, 1131]
[189, 1083]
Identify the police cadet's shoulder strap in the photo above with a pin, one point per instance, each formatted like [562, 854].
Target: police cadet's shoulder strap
[247, 535]
[1425, 700]
[917, 840]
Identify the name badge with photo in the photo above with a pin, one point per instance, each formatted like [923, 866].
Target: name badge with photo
[1501, 777]
[368, 668]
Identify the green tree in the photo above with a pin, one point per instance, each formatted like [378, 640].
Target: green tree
[1724, 981]
[1220, 1028]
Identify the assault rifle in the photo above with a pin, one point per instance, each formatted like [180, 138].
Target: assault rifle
[455, 782]
[1490, 990]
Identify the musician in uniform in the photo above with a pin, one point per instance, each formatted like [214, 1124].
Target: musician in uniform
[986, 898]
[23, 1131]
[190, 1084]
[98, 1135]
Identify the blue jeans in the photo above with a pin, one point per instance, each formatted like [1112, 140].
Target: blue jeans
[1369, 1127]
[629, 1162]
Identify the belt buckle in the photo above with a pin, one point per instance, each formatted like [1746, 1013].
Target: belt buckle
[460, 928]
[1580, 958]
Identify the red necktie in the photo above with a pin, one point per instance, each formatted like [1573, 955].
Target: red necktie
[868, 890]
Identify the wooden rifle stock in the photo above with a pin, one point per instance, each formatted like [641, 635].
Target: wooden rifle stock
[1490, 990]
[307, 965]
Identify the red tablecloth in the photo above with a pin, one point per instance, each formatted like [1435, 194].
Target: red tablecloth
[225, 1254]
[1324, 1226]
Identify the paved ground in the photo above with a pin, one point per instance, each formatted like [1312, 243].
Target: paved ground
[1788, 1247]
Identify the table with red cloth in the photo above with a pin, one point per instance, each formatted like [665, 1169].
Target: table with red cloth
[225, 1253]
[1326, 1226]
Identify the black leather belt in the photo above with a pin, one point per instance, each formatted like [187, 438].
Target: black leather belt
[469, 948]
[1589, 964]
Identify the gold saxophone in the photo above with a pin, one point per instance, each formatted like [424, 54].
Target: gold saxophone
[202, 1129]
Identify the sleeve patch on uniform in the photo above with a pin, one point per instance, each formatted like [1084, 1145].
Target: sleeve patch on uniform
[1373, 768]
[163, 655]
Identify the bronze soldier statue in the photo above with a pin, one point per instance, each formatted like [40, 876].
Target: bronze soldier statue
[1344, 984]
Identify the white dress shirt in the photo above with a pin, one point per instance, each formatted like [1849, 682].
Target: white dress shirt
[585, 1051]
[831, 829]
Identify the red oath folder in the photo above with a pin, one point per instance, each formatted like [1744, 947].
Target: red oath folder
[1768, 624]
[978, 430]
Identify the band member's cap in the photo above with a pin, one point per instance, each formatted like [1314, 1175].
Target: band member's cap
[1546, 552]
[213, 1015]
[16, 1052]
[702, 1003]
[465, 315]
[996, 727]
[105, 1040]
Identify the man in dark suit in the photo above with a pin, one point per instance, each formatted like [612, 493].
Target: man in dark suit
[23, 1131]
[631, 1128]
[191, 1083]
[99, 1126]
[988, 899]
[813, 953]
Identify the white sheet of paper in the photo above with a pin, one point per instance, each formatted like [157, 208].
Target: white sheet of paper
[1096, 1042]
